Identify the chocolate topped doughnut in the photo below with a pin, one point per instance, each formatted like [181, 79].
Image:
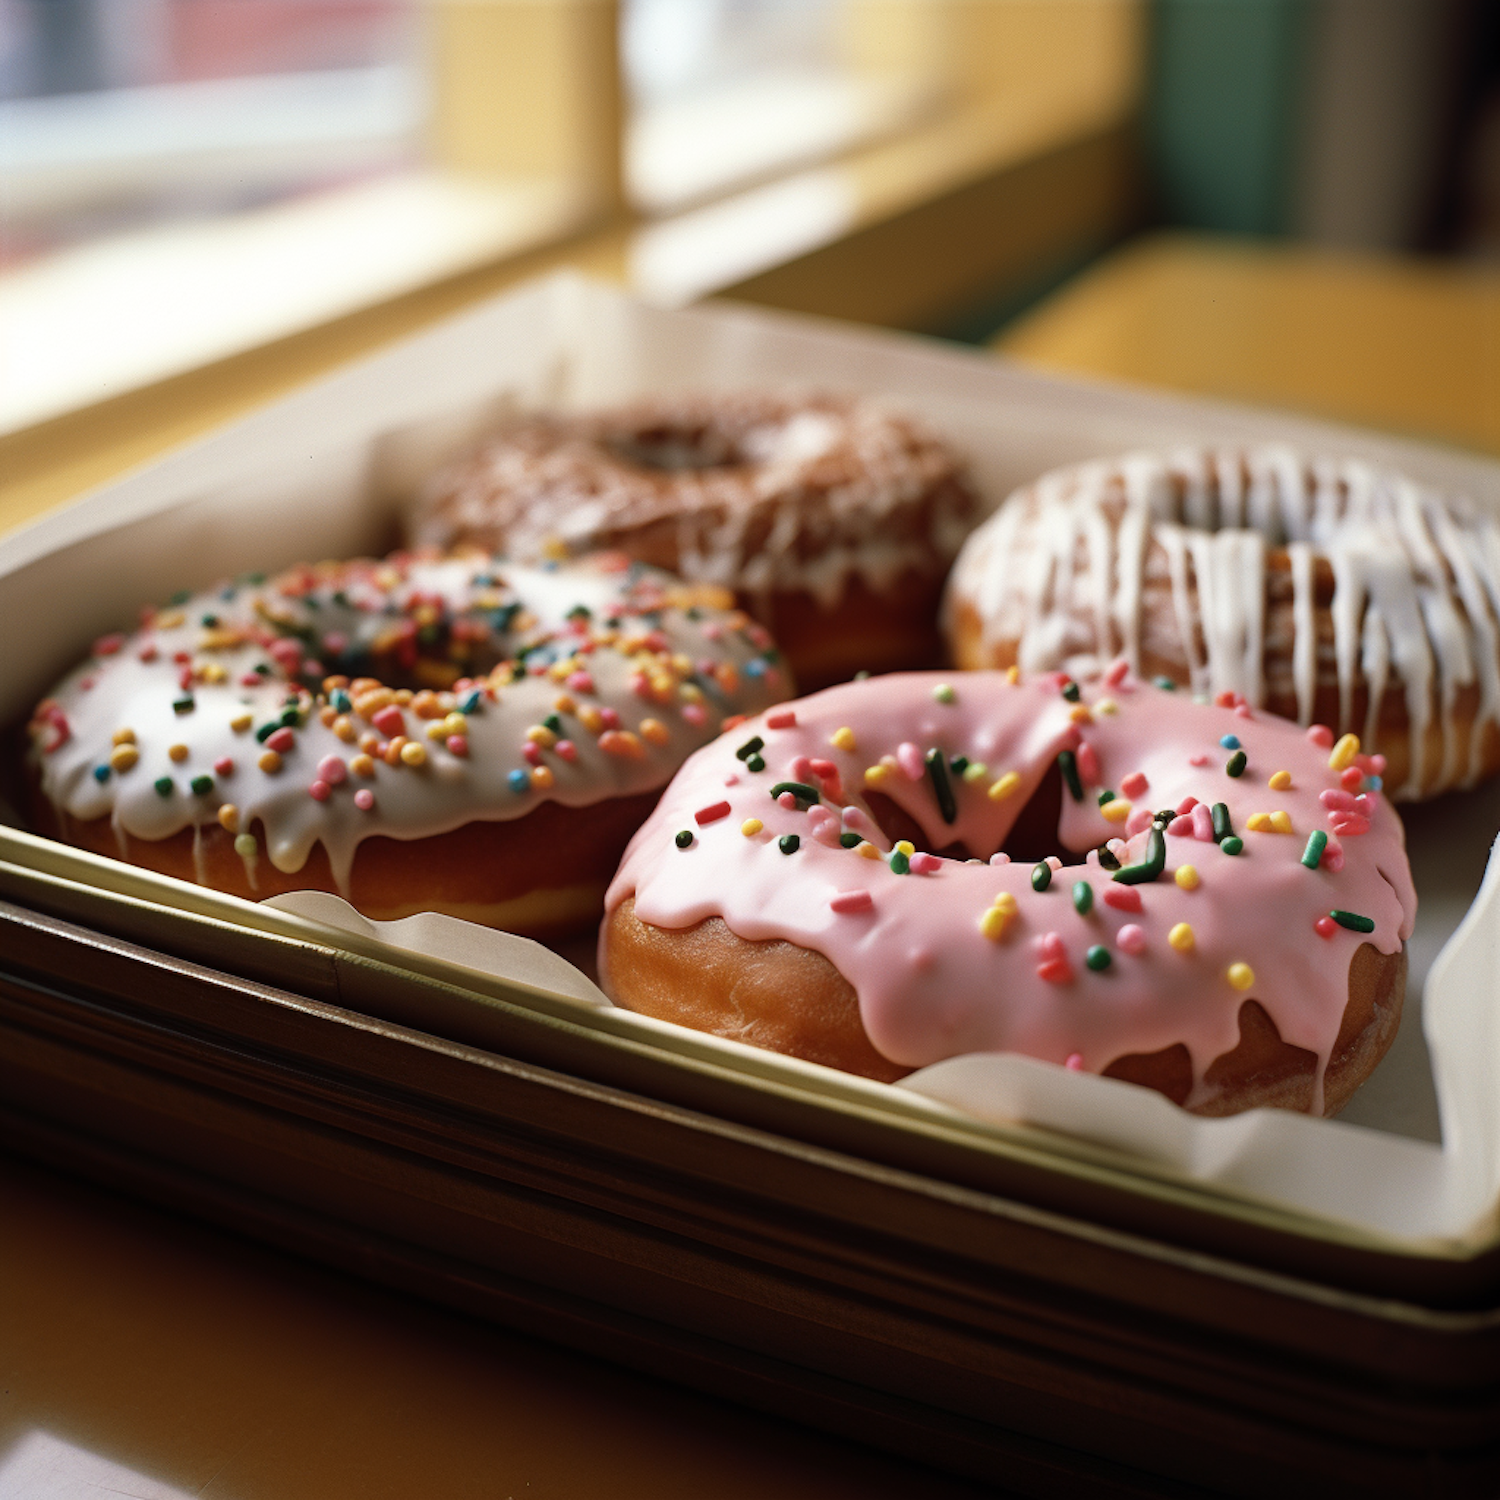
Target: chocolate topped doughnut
[833, 520]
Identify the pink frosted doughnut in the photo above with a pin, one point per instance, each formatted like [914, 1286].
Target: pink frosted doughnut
[1204, 898]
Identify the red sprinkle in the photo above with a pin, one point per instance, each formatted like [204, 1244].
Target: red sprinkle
[1074, 1062]
[533, 753]
[147, 653]
[458, 744]
[567, 750]
[712, 813]
[1122, 897]
[1117, 670]
[850, 902]
[924, 864]
[1349, 824]
[282, 741]
[1088, 764]
[1325, 927]
[1055, 971]
[390, 721]
[224, 766]
[319, 791]
[1352, 778]
[108, 645]
[1136, 783]
[1186, 806]
[784, 718]
[732, 722]
[1322, 736]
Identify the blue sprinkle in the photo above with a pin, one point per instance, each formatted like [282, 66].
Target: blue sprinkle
[755, 669]
[1230, 742]
[471, 702]
[550, 566]
[519, 782]
[1374, 783]
[101, 773]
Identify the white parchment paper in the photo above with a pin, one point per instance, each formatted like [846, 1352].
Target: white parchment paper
[320, 474]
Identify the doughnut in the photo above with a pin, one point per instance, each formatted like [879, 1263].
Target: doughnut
[1108, 876]
[460, 735]
[1328, 591]
[833, 520]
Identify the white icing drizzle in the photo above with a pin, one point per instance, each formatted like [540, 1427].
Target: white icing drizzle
[1416, 601]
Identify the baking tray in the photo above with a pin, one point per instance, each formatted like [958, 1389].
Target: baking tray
[1007, 1301]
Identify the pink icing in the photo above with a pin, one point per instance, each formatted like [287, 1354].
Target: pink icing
[1027, 988]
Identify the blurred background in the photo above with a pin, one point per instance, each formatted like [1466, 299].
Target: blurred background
[1186, 191]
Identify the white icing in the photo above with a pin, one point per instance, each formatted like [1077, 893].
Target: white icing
[1060, 571]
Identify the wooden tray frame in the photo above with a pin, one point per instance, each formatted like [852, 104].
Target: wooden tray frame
[984, 1328]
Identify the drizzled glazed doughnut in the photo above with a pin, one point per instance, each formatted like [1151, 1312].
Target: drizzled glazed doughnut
[458, 735]
[834, 521]
[1225, 923]
[1327, 591]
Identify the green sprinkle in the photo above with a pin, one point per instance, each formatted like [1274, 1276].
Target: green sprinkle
[1041, 876]
[1068, 763]
[1223, 828]
[1098, 958]
[1166, 684]
[943, 693]
[755, 763]
[749, 748]
[937, 769]
[553, 723]
[1106, 797]
[685, 838]
[900, 864]
[1317, 842]
[863, 675]
[850, 841]
[209, 621]
[341, 702]
[789, 843]
[1083, 897]
[1107, 860]
[202, 784]
[1149, 868]
[180, 597]
[266, 731]
[1353, 921]
[164, 786]
[799, 789]
[958, 764]
[1235, 766]
[183, 705]
[290, 718]
[1070, 691]
[1232, 845]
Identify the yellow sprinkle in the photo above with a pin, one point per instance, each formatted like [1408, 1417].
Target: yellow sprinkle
[123, 757]
[362, 765]
[591, 718]
[559, 670]
[842, 739]
[1181, 937]
[690, 692]
[413, 754]
[1281, 821]
[214, 672]
[877, 775]
[1344, 753]
[123, 737]
[1012, 674]
[269, 762]
[435, 730]
[994, 922]
[1241, 976]
[1280, 781]
[1187, 877]
[1259, 823]
[229, 817]
[241, 722]
[541, 777]
[564, 703]
[393, 749]
[1005, 786]
[245, 845]
[455, 723]
[539, 734]
[169, 621]
[751, 826]
[1115, 811]
[906, 847]
[867, 850]
[402, 697]
[343, 727]
[1080, 713]
[554, 549]
[655, 731]
[1106, 706]
[1005, 902]
[179, 753]
[976, 770]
